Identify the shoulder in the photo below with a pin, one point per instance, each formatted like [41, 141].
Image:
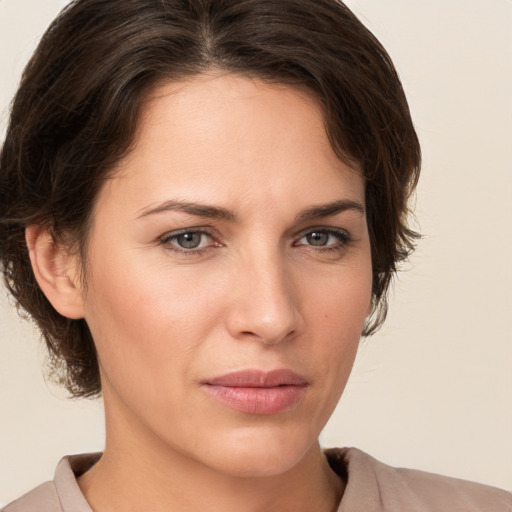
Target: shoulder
[63, 493]
[41, 499]
[375, 486]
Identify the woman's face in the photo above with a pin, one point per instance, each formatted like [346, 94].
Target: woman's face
[229, 277]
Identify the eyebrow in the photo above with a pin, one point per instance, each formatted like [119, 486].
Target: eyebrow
[217, 212]
[200, 210]
[330, 209]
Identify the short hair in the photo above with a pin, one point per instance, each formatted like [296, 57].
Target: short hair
[75, 114]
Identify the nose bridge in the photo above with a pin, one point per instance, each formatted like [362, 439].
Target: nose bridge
[266, 305]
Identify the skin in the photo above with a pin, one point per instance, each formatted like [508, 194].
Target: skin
[261, 291]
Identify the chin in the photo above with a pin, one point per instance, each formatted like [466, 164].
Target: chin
[259, 454]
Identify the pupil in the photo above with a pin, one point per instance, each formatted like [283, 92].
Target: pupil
[189, 240]
[316, 238]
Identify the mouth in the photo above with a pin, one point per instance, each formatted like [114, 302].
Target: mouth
[258, 392]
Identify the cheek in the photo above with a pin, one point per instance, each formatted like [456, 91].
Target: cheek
[154, 323]
[337, 311]
[341, 300]
[146, 319]
[136, 290]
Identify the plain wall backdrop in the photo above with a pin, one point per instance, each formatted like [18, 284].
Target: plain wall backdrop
[433, 389]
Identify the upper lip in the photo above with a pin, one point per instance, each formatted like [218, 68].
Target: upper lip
[258, 379]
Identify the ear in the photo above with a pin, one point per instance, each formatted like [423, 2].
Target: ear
[56, 272]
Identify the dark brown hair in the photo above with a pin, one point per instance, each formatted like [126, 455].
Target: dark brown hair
[75, 113]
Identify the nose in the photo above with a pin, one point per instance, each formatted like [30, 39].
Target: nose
[265, 304]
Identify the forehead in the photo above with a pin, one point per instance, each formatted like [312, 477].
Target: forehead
[221, 104]
[221, 134]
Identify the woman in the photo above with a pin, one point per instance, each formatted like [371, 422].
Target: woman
[213, 195]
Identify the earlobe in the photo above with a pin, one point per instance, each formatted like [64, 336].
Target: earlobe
[55, 271]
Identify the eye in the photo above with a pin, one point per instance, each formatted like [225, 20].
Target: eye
[188, 240]
[325, 238]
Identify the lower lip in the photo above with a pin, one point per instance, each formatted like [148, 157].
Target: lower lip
[257, 400]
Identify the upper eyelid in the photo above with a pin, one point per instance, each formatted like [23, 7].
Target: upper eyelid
[324, 229]
[216, 237]
[177, 232]
[209, 230]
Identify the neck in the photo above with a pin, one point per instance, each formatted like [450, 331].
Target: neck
[138, 472]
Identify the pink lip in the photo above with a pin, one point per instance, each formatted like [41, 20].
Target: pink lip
[257, 392]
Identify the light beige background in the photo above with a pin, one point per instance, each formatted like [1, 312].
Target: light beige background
[433, 389]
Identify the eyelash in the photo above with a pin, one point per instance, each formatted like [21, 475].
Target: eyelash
[342, 236]
[167, 240]
[343, 240]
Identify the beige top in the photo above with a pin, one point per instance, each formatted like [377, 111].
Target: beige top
[371, 487]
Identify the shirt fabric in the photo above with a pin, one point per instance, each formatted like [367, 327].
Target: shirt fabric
[371, 486]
